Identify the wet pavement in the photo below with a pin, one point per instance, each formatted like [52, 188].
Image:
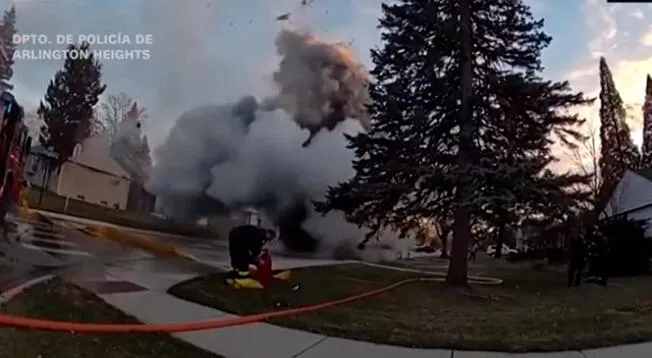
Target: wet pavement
[58, 243]
[40, 246]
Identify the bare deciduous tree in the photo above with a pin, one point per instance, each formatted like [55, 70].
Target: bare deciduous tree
[113, 111]
[585, 156]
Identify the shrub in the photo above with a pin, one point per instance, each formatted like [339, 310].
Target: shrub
[629, 249]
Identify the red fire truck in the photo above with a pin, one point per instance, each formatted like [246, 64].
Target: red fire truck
[15, 142]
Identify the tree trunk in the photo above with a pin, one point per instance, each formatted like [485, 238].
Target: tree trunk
[500, 239]
[445, 231]
[457, 270]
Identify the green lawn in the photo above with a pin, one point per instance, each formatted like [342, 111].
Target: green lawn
[531, 311]
[55, 203]
[60, 300]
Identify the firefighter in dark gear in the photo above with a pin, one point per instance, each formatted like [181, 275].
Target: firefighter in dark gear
[245, 245]
[577, 261]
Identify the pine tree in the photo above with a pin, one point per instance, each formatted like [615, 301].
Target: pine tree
[7, 32]
[69, 103]
[436, 144]
[520, 184]
[618, 153]
[646, 155]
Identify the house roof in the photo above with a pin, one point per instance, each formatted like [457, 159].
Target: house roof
[95, 154]
[645, 173]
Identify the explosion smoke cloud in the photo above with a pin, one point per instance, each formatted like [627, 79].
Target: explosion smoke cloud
[251, 154]
[320, 83]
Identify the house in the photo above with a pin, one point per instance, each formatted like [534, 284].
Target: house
[90, 174]
[631, 198]
[36, 167]
[139, 199]
[130, 149]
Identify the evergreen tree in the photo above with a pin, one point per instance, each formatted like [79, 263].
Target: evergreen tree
[646, 155]
[520, 185]
[7, 32]
[618, 153]
[454, 119]
[69, 101]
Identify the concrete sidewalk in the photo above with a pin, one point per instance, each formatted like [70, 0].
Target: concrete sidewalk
[262, 340]
[156, 306]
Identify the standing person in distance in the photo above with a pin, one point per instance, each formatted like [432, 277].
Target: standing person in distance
[577, 261]
[474, 251]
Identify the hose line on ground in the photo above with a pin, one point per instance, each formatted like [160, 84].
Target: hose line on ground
[77, 327]
[49, 325]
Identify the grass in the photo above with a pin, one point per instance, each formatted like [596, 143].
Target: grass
[532, 311]
[60, 300]
[55, 203]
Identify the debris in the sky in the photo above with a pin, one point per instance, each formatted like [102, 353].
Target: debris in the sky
[284, 17]
[307, 2]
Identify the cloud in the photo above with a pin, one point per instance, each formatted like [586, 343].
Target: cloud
[625, 44]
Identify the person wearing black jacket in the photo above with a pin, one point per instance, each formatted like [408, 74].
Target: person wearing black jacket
[577, 260]
[245, 244]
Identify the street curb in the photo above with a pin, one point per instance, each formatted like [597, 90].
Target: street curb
[11, 293]
[132, 240]
[129, 239]
[123, 237]
[89, 221]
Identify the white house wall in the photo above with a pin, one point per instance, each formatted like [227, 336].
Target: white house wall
[35, 170]
[632, 192]
[643, 214]
[81, 183]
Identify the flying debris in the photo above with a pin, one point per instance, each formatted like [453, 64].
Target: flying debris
[284, 17]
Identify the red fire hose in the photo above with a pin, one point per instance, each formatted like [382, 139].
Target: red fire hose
[49, 325]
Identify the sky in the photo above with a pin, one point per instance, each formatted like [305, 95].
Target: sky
[214, 51]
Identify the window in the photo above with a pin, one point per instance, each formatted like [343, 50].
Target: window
[104, 202]
[81, 197]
